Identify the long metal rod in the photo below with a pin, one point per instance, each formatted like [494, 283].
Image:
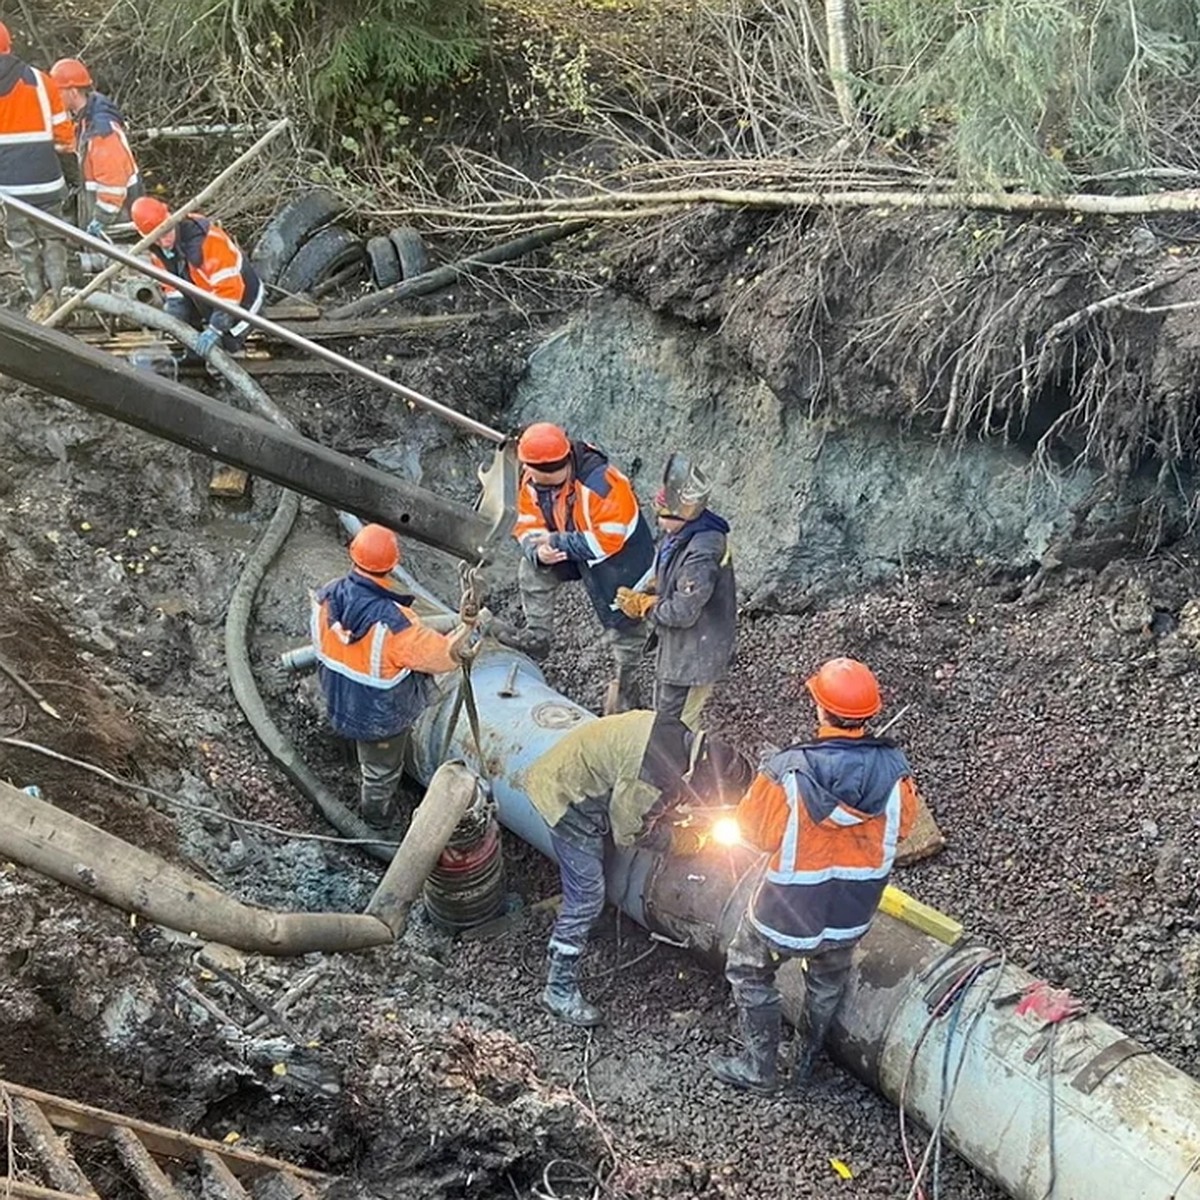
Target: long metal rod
[64, 310]
[255, 319]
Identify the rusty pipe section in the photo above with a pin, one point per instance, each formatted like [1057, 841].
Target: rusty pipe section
[1083, 1107]
[55, 843]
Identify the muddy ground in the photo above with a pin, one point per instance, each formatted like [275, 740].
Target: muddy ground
[1055, 732]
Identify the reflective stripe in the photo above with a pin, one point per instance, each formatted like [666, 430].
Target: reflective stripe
[598, 554]
[787, 873]
[31, 189]
[15, 139]
[340, 668]
[43, 94]
[810, 943]
[241, 327]
[840, 816]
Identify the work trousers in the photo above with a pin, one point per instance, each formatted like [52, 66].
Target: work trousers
[381, 764]
[581, 867]
[539, 588]
[41, 253]
[682, 701]
[752, 962]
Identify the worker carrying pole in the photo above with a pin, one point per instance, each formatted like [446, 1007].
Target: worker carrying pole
[111, 179]
[200, 252]
[375, 658]
[619, 777]
[578, 518]
[830, 813]
[690, 606]
[37, 161]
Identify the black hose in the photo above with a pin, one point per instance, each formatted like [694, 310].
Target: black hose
[241, 602]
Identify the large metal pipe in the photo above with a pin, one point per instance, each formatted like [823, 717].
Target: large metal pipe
[1090, 1109]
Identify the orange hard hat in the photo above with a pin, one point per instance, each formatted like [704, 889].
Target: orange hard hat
[375, 550]
[846, 688]
[71, 73]
[5, 39]
[148, 213]
[543, 443]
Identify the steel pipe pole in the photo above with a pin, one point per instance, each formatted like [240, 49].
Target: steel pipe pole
[1084, 1107]
[256, 319]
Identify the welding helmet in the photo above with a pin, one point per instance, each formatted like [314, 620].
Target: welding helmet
[685, 490]
[717, 772]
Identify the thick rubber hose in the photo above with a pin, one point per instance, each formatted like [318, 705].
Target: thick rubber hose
[241, 602]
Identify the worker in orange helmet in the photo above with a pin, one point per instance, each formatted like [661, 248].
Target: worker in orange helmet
[830, 813]
[110, 172]
[578, 518]
[199, 251]
[37, 161]
[375, 657]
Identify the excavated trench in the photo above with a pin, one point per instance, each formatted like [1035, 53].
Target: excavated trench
[1054, 729]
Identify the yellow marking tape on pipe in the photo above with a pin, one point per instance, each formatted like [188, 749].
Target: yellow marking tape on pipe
[920, 916]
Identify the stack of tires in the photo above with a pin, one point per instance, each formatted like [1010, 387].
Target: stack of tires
[303, 250]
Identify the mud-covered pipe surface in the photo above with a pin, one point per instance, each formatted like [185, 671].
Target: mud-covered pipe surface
[1126, 1124]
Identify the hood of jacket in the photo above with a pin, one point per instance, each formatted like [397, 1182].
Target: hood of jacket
[99, 115]
[12, 70]
[848, 780]
[358, 604]
[706, 522]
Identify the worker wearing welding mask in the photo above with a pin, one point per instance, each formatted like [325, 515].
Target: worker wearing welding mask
[617, 777]
[690, 606]
[830, 813]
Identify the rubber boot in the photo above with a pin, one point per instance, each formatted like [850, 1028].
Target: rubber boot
[755, 1069]
[55, 260]
[531, 641]
[623, 693]
[810, 1047]
[562, 995]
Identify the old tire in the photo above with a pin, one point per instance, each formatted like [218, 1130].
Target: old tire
[290, 228]
[385, 262]
[411, 252]
[325, 253]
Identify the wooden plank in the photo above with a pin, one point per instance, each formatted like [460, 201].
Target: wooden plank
[292, 310]
[65, 1173]
[150, 1176]
[161, 1141]
[229, 483]
[924, 840]
[219, 1181]
[31, 1191]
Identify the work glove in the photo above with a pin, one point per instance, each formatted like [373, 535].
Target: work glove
[208, 341]
[635, 604]
[96, 230]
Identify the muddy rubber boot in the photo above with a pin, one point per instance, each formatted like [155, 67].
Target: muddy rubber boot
[562, 995]
[534, 642]
[818, 1019]
[56, 264]
[755, 1069]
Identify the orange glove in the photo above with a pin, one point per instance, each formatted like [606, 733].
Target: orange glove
[635, 604]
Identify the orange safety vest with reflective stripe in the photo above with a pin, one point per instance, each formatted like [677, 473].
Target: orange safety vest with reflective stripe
[831, 814]
[204, 254]
[110, 172]
[374, 656]
[34, 130]
[595, 520]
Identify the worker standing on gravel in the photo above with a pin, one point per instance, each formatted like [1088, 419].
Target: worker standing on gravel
[374, 661]
[617, 776]
[578, 518]
[110, 172]
[691, 604]
[37, 160]
[199, 251]
[830, 813]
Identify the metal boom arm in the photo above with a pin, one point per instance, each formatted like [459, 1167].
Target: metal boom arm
[58, 363]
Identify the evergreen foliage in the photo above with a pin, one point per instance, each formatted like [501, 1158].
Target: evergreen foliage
[1029, 88]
